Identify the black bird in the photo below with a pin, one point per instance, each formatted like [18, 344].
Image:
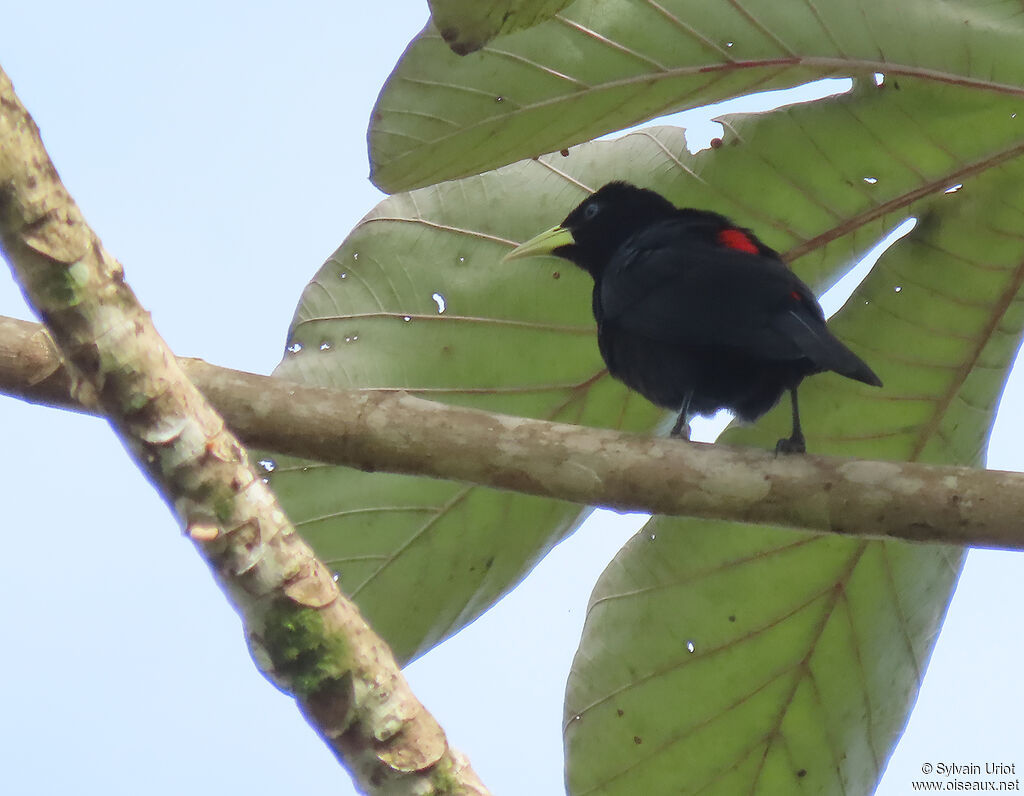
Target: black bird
[693, 312]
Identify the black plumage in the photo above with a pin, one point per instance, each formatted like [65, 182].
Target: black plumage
[694, 312]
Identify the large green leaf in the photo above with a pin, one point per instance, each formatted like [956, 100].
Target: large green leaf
[423, 558]
[467, 25]
[602, 65]
[771, 661]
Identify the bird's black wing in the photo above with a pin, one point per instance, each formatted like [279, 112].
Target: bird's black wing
[671, 286]
[665, 284]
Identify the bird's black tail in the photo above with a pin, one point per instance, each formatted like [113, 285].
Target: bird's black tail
[827, 352]
[846, 363]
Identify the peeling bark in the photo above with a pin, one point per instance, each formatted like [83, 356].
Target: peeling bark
[345, 679]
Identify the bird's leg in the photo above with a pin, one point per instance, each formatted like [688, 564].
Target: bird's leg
[682, 427]
[795, 443]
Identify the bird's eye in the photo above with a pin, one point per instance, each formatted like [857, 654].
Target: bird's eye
[590, 211]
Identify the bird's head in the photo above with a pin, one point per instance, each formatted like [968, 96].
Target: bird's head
[601, 223]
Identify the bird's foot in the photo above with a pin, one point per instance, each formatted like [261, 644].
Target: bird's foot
[680, 431]
[792, 444]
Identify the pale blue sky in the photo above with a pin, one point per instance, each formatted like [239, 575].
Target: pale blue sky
[220, 154]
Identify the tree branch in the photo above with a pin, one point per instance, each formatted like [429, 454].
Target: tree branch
[306, 636]
[394, 431]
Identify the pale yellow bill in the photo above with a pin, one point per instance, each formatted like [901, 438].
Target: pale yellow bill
[544, 243]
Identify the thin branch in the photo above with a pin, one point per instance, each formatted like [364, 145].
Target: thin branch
[305, 635]
[396, 432]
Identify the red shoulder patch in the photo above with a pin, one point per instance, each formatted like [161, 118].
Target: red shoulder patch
[737, 239]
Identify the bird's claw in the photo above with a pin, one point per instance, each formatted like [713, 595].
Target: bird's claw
[791, 445]
[680, 431]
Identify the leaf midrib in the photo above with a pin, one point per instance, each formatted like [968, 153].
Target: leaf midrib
[830, 66]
